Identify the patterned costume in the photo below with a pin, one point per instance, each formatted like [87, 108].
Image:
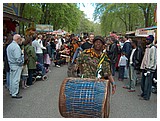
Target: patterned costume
[94, 65]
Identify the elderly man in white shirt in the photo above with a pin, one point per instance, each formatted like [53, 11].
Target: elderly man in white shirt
[15, 60]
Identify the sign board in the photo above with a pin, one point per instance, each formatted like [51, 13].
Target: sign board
[44, 28]
[143, 32]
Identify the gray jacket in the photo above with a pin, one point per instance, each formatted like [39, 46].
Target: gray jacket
[15, 56]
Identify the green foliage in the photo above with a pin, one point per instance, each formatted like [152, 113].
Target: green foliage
[60, 15]
[124, 17]
[65, 16]
[32, 11]
[88, 26]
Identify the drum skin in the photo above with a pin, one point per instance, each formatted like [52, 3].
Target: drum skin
[84, 98]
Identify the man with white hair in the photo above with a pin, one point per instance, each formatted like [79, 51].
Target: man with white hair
[15, 60]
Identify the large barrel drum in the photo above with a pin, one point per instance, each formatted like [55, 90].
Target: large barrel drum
[84, 98]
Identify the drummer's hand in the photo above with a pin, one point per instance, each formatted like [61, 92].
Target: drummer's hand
[113, 89]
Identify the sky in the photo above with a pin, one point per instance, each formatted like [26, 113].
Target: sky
[88, 10]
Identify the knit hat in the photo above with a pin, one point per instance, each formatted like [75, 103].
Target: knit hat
[150, 38]
[99, 38]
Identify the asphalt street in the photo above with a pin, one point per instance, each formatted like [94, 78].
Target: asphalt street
[41, 100]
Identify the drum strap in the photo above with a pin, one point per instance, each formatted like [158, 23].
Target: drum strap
[99, 67]
[101, 60]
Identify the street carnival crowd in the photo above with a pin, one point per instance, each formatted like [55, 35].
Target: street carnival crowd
[28, 58]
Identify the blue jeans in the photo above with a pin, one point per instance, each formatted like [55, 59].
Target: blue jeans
[40, 58]
[126, 72]
[113, 68]
[41, 68]
[53, 53]
[76, 53]
[132, 77]
[121, 72]
[8, 79]
[148, 86]
[143, 82]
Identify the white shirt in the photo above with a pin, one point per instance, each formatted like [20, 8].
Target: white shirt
[34, 44]
[123, 61]
[121, 44]
[39, 47]
[132, 56]
[58, 45]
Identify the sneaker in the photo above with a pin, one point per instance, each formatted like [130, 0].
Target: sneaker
[17, 96]
[38, 77]
[142, 98]
[58, 66]
[26, 86]
[44, 78]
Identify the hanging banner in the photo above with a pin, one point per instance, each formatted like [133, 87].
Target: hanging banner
[44, 28]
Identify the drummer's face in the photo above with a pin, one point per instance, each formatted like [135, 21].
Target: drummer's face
[98, 45]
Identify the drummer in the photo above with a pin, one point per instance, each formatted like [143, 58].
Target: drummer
[93, 63]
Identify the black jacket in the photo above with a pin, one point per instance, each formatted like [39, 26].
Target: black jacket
[137, 58]
[113, 52]
[5, 59]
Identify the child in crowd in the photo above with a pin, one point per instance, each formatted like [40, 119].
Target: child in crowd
[24, 76]
[122, 64]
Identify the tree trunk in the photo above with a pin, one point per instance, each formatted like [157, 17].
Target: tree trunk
[42, 16]
[147, 17]
[22, 28]
[21, 9]
[146, 11]
[125, 23]
[129, 22]
[22, 5]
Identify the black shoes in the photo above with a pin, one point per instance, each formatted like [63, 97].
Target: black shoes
[142, 98]
[17, 96]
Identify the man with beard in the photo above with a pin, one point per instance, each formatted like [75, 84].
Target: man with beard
[93, 63]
